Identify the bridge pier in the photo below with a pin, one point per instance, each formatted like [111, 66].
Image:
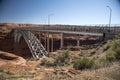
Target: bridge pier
[40, 36]
[45, 40]
[78, 40]
[48, 42]
[52, 43]
[62, 41]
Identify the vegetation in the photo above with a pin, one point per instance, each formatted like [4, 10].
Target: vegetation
[7, 75]
[63, 59]
[101, 63]
[113, 50]
[48, 62]
[83, 63]
[62, 66]
[110, 55]
[60, 60]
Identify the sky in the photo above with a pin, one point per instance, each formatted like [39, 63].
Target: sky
[69, 12]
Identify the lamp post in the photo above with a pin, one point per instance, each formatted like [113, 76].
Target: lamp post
[110, 16]
[49, 18]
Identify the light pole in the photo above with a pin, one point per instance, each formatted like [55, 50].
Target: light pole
[110, 16]
[49, 18]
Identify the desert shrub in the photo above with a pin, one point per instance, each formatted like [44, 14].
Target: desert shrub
[1, 70]
[118, 55]
[62, 59]
[2, 77]
[116, 48]
[91, 53]
[110, 55]
[103, 62]
[106, 47]
[113, 52]
[47, 62]
[83, 63]
[114, 73]
[117, 36]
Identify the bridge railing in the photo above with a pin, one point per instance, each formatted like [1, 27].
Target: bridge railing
[89, 28]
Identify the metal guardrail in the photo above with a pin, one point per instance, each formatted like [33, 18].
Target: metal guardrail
[87, 29]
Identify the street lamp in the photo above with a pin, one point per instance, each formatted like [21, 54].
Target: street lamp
[110, 16]
[49, 18]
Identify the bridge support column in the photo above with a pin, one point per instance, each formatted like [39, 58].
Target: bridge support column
[62, 41]
[52, 43]
[48, 42]
[45, 40]
[78, 40]
[40, 36]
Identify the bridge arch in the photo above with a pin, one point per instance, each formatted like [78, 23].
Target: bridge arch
[35, 46]
[22, 49]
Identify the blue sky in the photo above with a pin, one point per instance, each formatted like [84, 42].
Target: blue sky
[73, 12]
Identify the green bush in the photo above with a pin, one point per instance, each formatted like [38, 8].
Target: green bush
[116, 48]
[117, 36]
[62, 59]
[118, 54]
[106, 47]
[113, 53]
[83, 63]
[110, 55]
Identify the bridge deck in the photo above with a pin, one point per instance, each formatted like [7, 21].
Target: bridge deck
[67, 32]
[75, 29]
[71, 29]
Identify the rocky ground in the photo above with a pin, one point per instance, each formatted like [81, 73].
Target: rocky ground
[9, 61]
[15, 66]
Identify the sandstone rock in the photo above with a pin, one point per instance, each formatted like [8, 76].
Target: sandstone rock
[11, 61]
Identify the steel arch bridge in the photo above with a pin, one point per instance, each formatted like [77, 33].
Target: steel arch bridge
[37, 49]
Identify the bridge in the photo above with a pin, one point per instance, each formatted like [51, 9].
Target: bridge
[32, 35]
